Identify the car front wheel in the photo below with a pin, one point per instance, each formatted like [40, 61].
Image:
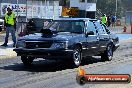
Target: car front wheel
[27, 60]
[108, 53]
[77, 56]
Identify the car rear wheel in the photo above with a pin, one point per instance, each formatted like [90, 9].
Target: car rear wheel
[77, 56]
[27, 60]
[108, 53]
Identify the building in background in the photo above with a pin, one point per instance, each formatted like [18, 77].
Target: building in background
[12, 3]
[87, 8]
[28, 9]
[47, 9]
[128, 17]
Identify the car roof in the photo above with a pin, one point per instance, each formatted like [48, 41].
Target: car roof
[67, 19]
[76, 19]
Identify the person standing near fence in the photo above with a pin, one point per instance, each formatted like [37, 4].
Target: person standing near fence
[10, 20]
[113, 20]
[104, 19]
[108, 21]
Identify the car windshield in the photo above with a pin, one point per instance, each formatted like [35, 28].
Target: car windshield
[66, 26]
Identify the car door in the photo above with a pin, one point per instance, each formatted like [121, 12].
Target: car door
[103, 36]
[92, 40]
[81, 37]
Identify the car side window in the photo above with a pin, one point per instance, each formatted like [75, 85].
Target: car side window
[106, 29]
[91, 27]
[80, 23]
[100, 28]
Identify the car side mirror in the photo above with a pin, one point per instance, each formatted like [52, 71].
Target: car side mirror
[89, 33]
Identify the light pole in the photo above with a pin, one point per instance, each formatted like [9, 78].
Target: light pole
[45, 9]
[32, 8]
[17, 22]
[116, 7]
[17, 13]
[26, 10]
[17, 10]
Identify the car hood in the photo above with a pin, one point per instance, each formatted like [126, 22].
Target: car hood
[64, 36]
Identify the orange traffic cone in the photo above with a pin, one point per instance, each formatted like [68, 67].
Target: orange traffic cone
[81, 71]
[124, 29]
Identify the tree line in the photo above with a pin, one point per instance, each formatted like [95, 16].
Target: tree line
[109, 7]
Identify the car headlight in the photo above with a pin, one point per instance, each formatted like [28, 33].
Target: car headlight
[62, 45]
[20, 44]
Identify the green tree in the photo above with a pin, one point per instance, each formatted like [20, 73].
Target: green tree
[109, 7]
[127, 4]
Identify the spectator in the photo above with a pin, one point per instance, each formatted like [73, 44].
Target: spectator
[31, 27]
[113, 20]
[104, 19]
[108, 21]
[10, 20]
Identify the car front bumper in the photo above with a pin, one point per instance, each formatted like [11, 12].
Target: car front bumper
[44, 53]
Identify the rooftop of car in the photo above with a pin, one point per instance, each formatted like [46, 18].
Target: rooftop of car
[67, 19]
[76, 19]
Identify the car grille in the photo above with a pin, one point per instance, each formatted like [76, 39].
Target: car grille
[33, 45]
